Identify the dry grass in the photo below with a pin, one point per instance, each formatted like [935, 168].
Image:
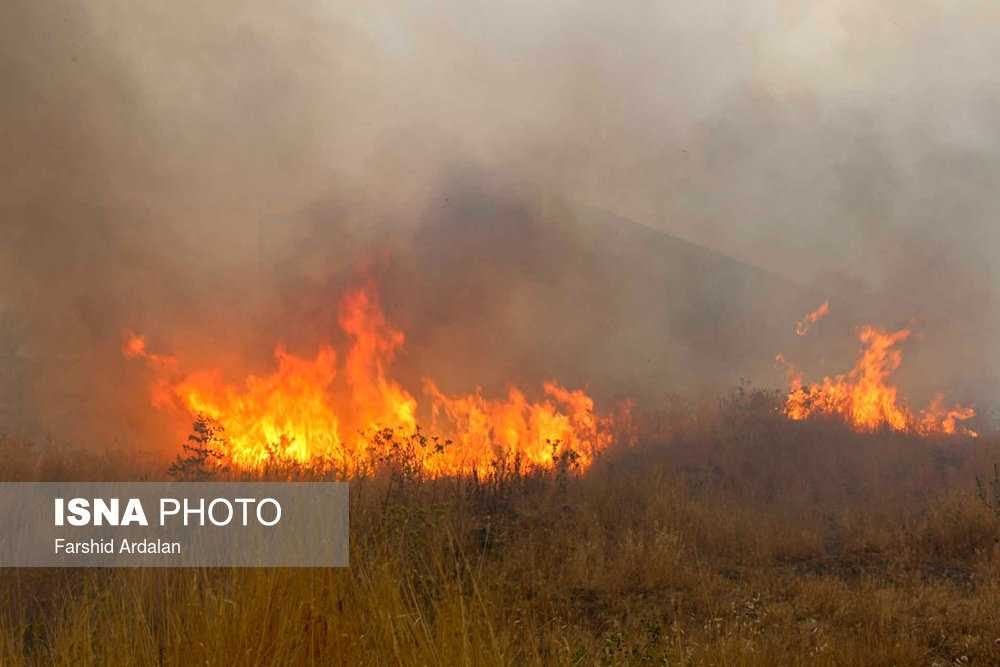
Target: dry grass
[731, 538]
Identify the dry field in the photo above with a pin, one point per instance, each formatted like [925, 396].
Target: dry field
[725, 536]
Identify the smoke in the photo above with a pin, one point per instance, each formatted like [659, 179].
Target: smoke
[213, 173]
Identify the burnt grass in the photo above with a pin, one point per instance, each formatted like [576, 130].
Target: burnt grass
[724, 535]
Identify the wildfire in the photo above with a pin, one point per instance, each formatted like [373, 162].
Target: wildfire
[802, 326]
[864, 398]
[334, 408]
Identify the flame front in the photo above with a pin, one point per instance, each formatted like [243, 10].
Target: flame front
[864, 398]
[538, 432]
[318, 407]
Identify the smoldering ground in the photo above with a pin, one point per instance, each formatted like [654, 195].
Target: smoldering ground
[213, 175]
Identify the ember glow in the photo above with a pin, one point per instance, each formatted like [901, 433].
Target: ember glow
[864, 398]
[803, 325]
[330, 406]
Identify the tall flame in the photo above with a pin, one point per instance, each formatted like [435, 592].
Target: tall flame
[864, 398]
[319, 407]
[802, 326]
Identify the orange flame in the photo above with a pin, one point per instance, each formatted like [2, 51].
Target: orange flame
[305, 409]
[802, 326]
[134, 347]
[863, 397]
[535, 431]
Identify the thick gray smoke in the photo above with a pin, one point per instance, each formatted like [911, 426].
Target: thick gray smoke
[213, 174]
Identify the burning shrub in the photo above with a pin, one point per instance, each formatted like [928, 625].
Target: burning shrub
[305, 409]
[864, 398]
[203, 453]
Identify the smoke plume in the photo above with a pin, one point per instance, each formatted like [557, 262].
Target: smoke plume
[640, 198]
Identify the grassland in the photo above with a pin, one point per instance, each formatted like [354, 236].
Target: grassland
[725, 535]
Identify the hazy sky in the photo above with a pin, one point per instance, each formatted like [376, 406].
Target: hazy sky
[801, 136]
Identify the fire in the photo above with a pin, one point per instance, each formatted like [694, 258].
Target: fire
[864, 398]
[802, 326]
[134, 347]
[333, 407]
[518, 425]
